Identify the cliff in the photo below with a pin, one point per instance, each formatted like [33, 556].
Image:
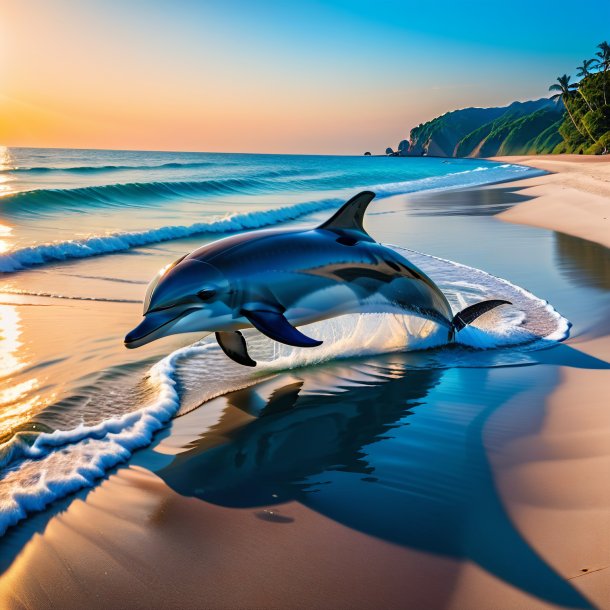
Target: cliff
[481, 132]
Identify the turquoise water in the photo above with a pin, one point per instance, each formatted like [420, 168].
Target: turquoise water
[86, 230]
[62, 204]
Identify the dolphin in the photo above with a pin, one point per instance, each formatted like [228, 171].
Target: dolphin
[277, 280]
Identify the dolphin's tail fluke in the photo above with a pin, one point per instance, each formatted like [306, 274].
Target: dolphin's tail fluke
[471, 313]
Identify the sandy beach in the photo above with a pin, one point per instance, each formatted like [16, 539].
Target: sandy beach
[148, 533]
[574, 198]
[571, 455]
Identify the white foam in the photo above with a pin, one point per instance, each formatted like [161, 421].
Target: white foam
[64, 461]
[351, 336]
[118, 242]
[489, 286]
[456, 180]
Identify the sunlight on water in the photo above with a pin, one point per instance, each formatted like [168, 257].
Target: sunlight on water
[16, 400]
[5, 189]
[5, 231]
[6, 161]
[13, 393]
[15, 408]
[6, 164]
[10, 330]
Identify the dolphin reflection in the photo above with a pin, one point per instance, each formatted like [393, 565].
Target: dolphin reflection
[380, 448]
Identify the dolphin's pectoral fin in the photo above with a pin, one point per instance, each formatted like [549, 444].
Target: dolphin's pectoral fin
[351, 215]
[234, 345]
[276, 327]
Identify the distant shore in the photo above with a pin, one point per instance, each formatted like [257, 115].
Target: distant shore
[574, 198]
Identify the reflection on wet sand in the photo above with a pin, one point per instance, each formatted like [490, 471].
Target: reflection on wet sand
[10, 331]
[582, 262]
[17, 400]
[381, 449]
[470, 202]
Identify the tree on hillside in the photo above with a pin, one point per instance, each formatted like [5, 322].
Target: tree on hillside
[566, 90]
[584, 71]
[603, 63]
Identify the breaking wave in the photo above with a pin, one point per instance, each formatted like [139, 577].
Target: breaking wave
[117, 242]
[141, 194]
[133, 194]
[115, 195]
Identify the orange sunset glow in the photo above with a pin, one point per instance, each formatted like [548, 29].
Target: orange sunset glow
[234, 77]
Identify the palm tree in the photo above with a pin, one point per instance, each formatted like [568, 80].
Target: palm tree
[583, 72]
[603, 63]
[566, 90]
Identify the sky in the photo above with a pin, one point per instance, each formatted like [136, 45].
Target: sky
[291, 76]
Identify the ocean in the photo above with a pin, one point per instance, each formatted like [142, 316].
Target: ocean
[83, 231]
[64, 204]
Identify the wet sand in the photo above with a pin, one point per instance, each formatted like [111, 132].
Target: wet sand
[551, 482]
[573, 199]
[560, 471]
[133, 541]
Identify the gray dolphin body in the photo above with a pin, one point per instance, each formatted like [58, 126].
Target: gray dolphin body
[276, 280]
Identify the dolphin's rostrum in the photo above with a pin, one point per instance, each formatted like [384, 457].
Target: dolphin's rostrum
[277, 280]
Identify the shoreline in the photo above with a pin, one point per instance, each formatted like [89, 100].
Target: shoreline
[573, 198]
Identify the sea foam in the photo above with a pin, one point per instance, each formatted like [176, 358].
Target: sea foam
[120, 241]
[64, 461]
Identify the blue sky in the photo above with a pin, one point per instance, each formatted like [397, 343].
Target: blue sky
[269, 76]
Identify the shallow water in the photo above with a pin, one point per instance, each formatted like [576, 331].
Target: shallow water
[75, 403]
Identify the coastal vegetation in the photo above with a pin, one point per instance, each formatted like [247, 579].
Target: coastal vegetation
[575, 119]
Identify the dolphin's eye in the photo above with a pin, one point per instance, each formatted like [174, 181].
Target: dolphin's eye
[206, 294]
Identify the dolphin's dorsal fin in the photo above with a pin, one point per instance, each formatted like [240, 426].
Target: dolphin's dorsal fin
[351, 214]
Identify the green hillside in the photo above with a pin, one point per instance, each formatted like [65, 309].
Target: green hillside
[574, 120]
[513, 133]
[445, 131]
